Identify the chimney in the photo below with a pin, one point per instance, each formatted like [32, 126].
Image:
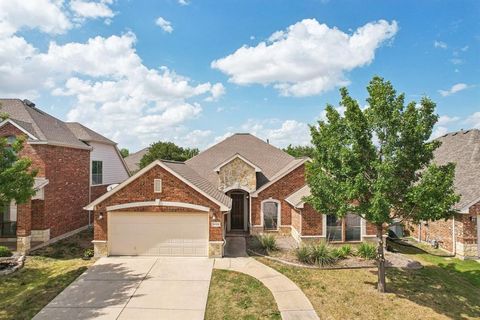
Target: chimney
[29, 103]
[268, 141]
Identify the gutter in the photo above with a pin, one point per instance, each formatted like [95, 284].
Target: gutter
[454, 236]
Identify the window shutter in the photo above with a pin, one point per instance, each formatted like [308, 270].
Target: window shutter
[157, 185]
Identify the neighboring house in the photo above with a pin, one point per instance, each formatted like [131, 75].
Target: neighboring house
[460, 234]
[75, 165]
[133, 160]
[240, 186]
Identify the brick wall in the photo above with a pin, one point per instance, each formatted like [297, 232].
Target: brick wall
[296, 219]
[279, 191]
[38, 215]
[97, 191]
[312, 223]
[141, 189]
[24, 219]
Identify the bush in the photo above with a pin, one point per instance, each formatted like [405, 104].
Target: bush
[5, 252]
[88, 254]
[303, 254]
[321, 254]
[367, 251]
[268, 242]
[343, 252]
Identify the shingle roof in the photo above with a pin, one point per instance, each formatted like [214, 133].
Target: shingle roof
[265, 156]
[133, 160]
[43, 126]
[86, 134]
[462, 148]
[296, 198]
[193, 177]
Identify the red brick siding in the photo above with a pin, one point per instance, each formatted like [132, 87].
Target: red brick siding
[370, 229]
[141, 189]
[312, 223]
[38, 215]
[24, 219]
[97, 191]
[279, 191]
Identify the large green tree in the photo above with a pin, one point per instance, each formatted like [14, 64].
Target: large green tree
[299, 151]
[16, 176]
[376, 163]
[166, 151]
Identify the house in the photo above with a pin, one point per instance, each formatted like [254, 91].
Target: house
[75, 165]
[460, 234]
[133, 160]
[241, 186]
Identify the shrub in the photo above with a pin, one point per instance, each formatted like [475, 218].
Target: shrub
[367, 251]
[88, 254]
[5, 252]
[321, 254]
[346, 250]
[303, 254]
[268, 242]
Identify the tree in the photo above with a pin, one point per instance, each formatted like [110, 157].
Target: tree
[124, 152]
[377, 163]
[299, 151]
[167, 151]
[16, 176]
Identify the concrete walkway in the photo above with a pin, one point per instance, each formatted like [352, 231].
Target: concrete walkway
[138, 288]
[291, 301]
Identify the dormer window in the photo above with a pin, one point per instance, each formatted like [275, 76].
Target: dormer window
[11, 140]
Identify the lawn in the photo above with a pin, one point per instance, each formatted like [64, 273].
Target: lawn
[235, 295]
[46, 273]
[446, 288]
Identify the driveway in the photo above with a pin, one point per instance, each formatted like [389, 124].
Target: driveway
[136, 288]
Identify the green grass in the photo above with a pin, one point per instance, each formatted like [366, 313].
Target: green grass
[45, 274]
[446, 288]
[236, 295]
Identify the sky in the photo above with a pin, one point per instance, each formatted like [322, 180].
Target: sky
[196, 71]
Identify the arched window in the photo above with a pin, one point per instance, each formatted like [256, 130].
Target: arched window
[271, 214]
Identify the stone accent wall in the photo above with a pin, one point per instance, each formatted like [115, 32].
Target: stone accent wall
[279, 191]
[237, 174]
[173, 189]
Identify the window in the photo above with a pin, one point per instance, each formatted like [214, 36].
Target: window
[334, 228]
[347, 229]
[270, 211]
[11, 140]
[353, 227]
[97, 172]
[8, 224]
[157, 185]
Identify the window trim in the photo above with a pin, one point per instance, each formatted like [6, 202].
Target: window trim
[279, 215]
[160, 185]
[344, 230]
[96, 174]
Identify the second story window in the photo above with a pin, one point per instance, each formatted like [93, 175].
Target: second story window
[97, 172]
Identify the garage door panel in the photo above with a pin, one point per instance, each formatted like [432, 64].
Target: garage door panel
[165, 234]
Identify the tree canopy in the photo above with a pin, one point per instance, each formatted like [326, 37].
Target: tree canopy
[16, 176]
[377, 163]
[299, 151]
[124, 152]
[167, 151]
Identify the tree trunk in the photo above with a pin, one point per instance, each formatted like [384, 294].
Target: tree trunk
[381, 285]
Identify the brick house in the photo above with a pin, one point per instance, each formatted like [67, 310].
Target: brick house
[241, 185]
[75, 165]
[460, 234]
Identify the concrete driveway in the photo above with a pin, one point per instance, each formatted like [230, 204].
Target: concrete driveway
[136, 288]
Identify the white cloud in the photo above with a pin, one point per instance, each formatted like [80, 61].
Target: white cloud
[164, 24]
[439, 131]
[445, 120]
[456, 61]
[440, 44]
[184, 2]
[91, 9]
[474, 120]
[45, 15]
[454, 89]
[217, 91]
[307, 58]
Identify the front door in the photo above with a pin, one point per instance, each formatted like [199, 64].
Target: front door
[237, 213]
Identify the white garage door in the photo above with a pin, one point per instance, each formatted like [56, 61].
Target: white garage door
[158, 234]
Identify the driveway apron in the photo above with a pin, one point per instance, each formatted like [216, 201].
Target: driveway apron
[136, 288]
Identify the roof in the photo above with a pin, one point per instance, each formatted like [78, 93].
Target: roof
[133, 160]
[217, 168]
[44, 127]
[181, 171]
[263, 155]
[296, 198]
[85, 134]
[463, 149]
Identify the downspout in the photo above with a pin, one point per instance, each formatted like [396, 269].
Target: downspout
[89, 189]
[454, 236]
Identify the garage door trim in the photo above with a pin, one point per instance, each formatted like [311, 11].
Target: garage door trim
[158, 203]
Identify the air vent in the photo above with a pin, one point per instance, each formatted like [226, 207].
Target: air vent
[157, 185]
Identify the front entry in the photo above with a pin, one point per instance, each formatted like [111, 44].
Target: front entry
[238, 211]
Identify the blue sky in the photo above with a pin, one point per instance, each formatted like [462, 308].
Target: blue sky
[195, 71]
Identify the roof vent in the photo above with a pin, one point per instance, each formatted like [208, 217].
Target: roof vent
[29, 103]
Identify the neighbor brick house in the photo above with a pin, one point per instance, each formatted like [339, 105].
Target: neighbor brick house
[75, 165]
[242, 185]
[458, 235]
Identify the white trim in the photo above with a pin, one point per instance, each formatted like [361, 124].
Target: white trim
[295, 234]
[268, 184]
[236, 155]
[363, 228]
[324, 225]
[236, 187]
[158, 203]
[19, 127]
[157, 185]
[125, 183]
[466, 208]
[279, 214]
[313, 237]
[478, 235]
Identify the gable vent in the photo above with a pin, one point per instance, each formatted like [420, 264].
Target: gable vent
[157, 185]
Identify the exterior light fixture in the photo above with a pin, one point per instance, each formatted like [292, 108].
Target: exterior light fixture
[100, 216]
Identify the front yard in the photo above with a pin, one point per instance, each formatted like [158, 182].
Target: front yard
[46, 273]
[446, 288]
